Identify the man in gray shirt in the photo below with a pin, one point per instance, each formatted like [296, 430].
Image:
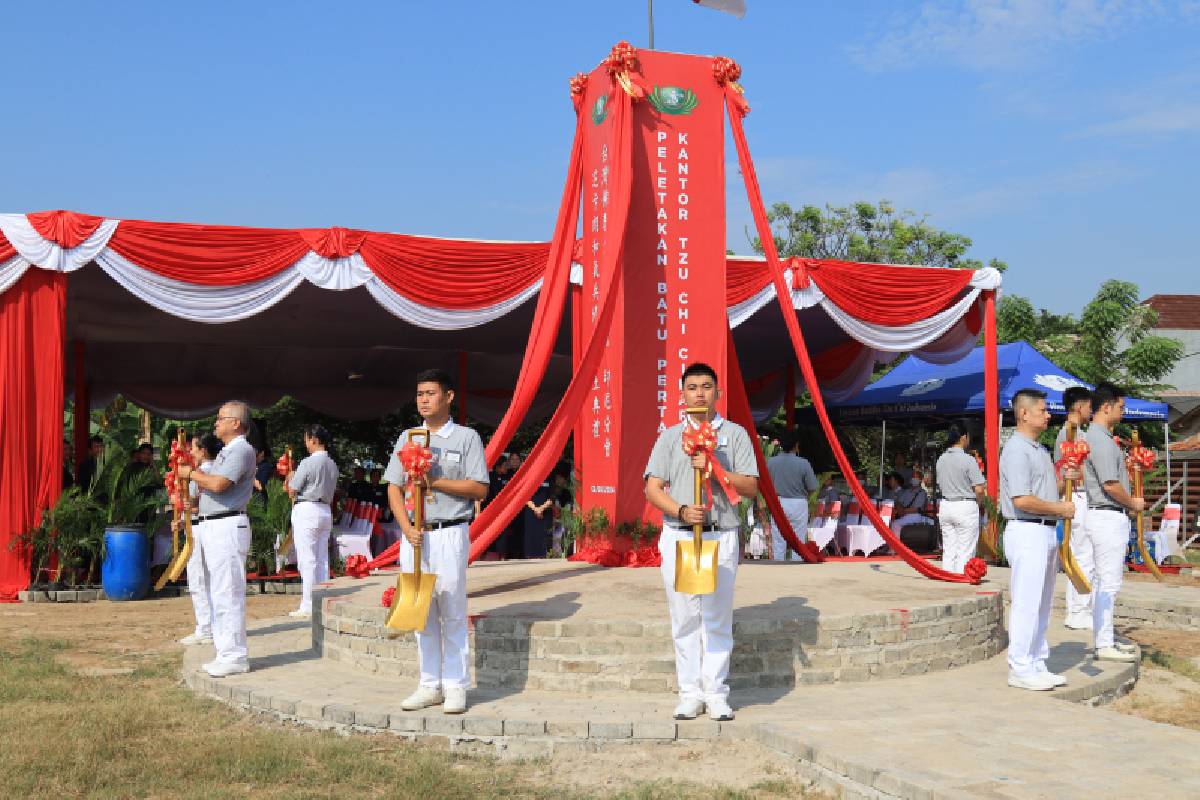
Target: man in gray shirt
[961, 483]
[1029, 500]
[1078, 402]
[457, 478]
[223, 535]
[701, 625]
[1106, 480]
[794, 480]
[312, 486]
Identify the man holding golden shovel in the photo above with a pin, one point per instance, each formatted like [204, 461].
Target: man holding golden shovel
[720, 452]
[456, 479]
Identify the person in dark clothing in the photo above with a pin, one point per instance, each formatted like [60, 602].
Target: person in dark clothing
[264, 471]
[360, 488]
[535, 522]
[89, 466]
[378, 494]
[497, 480]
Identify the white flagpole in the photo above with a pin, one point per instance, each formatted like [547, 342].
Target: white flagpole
[650, 20]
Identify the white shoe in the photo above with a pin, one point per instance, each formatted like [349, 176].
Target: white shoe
[1055, 678]
[300, 614]
[1038, 682]
[689, 709]
[456, 700]
[1126, 647]
[1113, 654]
[423, 697]
[197, 638]
[220, 669]
[719, 710]
[1078, 623]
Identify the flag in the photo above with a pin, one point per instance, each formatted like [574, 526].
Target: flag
[735, 7]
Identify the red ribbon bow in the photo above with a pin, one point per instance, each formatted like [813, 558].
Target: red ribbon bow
[356, 566]
[180, 456]
[1074, 453]
[416, 460]
[726, 71]
[702, 438]
[975, 569]
[578, 87]
[388, 594]
[1139, 457]
[284, 465]
[622, 58]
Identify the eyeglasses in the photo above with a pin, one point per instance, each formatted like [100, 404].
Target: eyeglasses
[218, 419]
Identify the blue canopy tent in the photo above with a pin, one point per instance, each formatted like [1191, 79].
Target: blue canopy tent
[916, 388]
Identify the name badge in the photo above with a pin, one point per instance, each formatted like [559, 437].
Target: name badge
[453, 456]
[723, 441]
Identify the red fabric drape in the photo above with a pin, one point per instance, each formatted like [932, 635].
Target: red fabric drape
[32, 332]
[65, 228]
[7, 251]
[744, 278]
[452, 273]
[739, 412]
[885, 294]
[547, 317]
[209, 255]
[732, 104]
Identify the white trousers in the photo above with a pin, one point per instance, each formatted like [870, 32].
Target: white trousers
[311, 524]
[701, 624]
[198, 588]
[796, 510]
[224, 544]
[1080, 605]
[1032, 551]
[960, 532]
[1108, 532]
[442, 648]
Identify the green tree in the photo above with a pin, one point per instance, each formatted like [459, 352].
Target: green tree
[867, 232]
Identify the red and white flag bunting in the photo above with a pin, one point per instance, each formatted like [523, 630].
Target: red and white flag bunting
[735, 7]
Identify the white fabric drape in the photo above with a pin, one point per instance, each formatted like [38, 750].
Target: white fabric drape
[11, 270]
[46, 254]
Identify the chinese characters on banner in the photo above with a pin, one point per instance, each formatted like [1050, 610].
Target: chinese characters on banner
[672, 307]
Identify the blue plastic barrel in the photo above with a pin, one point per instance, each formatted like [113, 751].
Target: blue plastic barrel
[125, 573]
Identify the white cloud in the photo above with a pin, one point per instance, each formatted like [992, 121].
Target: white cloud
[1006, 34]
[1157, 109]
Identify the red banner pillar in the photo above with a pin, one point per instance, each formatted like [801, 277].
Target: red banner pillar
[991, 395]
[577, 344]
[672, 303]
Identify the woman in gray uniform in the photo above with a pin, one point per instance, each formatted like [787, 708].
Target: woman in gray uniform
[312, 486]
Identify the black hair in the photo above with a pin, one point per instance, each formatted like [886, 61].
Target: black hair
[1076, 394]
[438, 376]
[788, 441]
[896, 476]
[209, 444]
[144, 446]
[1106, 393]
[318, 432]
[958, 429]
[1027, 394]
[698, 368]
[96, 440]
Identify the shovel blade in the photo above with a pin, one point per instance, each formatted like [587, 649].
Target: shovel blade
[692, 575]
[410, 604]
[176, 567]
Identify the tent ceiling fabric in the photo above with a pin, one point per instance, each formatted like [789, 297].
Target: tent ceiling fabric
[300, 310]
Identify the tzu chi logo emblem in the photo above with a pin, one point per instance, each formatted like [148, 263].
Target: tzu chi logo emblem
[1057, 383]
[673, 100]
[923, 387]
[600, 109]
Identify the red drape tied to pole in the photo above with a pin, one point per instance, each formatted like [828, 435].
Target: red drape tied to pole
[32, 333]
[991, 403]
[547, 317]
[734, 103]
[739, 412]
[858, 288]
[66, 228]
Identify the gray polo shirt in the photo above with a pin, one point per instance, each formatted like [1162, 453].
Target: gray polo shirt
[194, 488]
[1025, 470]
[1105, 462]
[792, 475]
[235, 462]
[315, 478]
[671, 465]
[1080, 434]
[958, 474]
[457, 455]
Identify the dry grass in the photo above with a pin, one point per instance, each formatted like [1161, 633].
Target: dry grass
[98, 711]
[1168, 689]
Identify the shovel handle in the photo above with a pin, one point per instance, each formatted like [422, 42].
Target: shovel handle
[418, 503]
[698, 528]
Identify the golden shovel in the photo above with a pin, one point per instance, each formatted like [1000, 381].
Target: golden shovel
[180, 557]
[1070, 565]
[414, 590]
[696, 561]
[1139, 491]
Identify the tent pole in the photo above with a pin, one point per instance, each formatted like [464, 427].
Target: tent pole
[1167, 448]
[82, 430]
[882, 455]
[991, 395]
[462, 387]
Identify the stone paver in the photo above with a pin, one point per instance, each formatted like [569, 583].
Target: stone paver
[957, 733]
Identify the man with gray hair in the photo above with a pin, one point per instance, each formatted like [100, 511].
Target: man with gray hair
[223, 535]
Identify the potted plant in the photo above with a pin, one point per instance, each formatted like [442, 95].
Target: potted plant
[133, 505]
[268, 523]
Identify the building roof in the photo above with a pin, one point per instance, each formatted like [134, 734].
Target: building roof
[1176, 311]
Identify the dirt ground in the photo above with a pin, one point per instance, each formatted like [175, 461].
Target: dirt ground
[1168, 689]
[114, 639]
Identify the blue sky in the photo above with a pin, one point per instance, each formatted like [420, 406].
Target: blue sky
[1062, 136]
